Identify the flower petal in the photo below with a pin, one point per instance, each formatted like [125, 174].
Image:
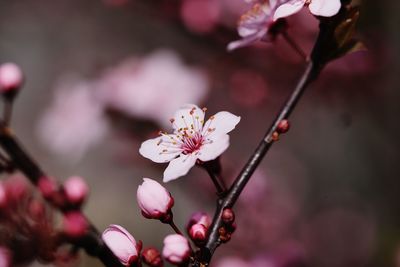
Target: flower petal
[247, 40]
[179, 167]
[221, 123]
[289, 8]
[215, 149]
[188, 116]
[324, 8]
[161, 149]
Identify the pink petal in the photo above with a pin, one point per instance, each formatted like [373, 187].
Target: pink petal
[324, 8]
[247, 40]
[221, 123]
[179, 167]
[216, 148]
[289, 8]
[160, 149]
[187, 116]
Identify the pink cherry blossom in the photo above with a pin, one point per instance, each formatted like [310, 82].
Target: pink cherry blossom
[176, 249]
[324, 8]
[191, 140]
[257, 22]
[74, 122]
[152, 87]
[154, 200]
[10, 77]
[254, 24]
[122, 244]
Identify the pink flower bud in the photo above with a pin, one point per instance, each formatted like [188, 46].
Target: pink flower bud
[152, 257]
[47, 186]
[76, 190]
[228, 216]
[5, 257]
[75, 224]
[176, 249]
[199, 218]
[10, 77]
[154, 200]
[198, 232]
[122, 244]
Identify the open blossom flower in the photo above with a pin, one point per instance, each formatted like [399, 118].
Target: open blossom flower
[122, 244]
[257, 22]
[191, 140]
[324, 8]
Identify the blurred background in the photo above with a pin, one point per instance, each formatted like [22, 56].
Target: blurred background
[102, 76]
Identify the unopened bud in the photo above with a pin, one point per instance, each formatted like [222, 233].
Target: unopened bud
[152, 257]
[11, 79]
[47, 186]
[283, 126]
[122, 244]
[154, 200]
[75, 224]
[176, 249]
[199, 217]
[36, 209]
[76, 190]
[198, 233]
[228, 216]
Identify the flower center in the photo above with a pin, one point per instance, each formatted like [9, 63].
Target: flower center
[191, 143]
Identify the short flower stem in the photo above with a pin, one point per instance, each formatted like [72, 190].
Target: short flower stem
[8, 106]
[294, 45]
[175, 228]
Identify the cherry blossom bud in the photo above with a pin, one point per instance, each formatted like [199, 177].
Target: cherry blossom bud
[5, 257]
[76, 190]
[176, 249]
[228, 216]
[47, 186]
[199, 218]
[152, 257]
[283, 126]
[122, 244]
[154, 200]
[11, 78]
[198, 232]
[75, 224]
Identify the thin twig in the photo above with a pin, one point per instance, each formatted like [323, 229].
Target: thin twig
[293, 44]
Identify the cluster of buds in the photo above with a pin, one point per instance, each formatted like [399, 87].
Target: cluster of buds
[228, 227]
[69, 198]
[30, 221]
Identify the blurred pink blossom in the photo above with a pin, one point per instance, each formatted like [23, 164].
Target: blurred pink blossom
[191, 140]
[200, 16]
[74, 122]
[154, 200]
[176, 249]
[75, 224]
[122, 244]
[152, 87]
[232, 262]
